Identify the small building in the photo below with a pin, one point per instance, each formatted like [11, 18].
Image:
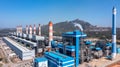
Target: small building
[40, 62]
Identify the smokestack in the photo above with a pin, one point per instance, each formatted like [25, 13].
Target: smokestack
[17, 29]
[50, 34]
[26, 29]
[30, 29]
[39, 30]
[34, 29]
[21, 29]
[113, 32]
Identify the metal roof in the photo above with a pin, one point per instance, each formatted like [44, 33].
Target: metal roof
[23, 49]
[28, 42]
[40, 59]
[75, 33]
[58, 56]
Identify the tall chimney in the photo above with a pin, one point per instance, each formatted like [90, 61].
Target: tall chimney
[50, 34]
[21, 29]
[34, 29]
[17, 29]
[114, 32]
[30, 28]
[39, 30]
[26, 29]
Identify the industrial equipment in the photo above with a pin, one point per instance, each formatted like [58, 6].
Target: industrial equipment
[71, 45]
[56, 59]
[40, 62]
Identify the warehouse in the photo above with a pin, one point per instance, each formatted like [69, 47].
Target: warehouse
[22, 52]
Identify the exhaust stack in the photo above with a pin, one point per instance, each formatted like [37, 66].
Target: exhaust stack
[34, 29]
[20, 28]
[50, 34]
[114, 32]
[17, 29]
[39, 30]
[30, 29]
[26, 29]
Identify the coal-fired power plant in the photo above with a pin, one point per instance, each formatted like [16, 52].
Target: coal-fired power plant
[71, 49]
[114, 32]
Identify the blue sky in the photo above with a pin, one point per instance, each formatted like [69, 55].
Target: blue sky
[26, 12]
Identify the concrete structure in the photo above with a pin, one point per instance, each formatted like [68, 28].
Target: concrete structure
[40, 62]
[34, 30]
[26, 29]
[17, 30]
[32, 44]
[30, 29]
[114, 32]
[50, 34]
[24, 35]
[39, 30]
[22, 52]
[29, 36]
[36, 38]
[20, 28]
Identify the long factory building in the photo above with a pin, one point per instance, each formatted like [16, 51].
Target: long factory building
[22, 52]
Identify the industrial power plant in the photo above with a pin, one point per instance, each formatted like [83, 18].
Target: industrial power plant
[71, 49]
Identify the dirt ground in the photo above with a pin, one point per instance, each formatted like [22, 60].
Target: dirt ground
[103, 62]
[117, 64]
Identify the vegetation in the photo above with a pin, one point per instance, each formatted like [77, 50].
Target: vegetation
[66, 26]
[5, 32]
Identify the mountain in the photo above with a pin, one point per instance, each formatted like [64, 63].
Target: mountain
[66, 26]
[89, 29]
[5, 31]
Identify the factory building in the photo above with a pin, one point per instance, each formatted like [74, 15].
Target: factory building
[22, 52]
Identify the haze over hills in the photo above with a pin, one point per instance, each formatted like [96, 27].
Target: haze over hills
[69, 26]
[65, 26]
